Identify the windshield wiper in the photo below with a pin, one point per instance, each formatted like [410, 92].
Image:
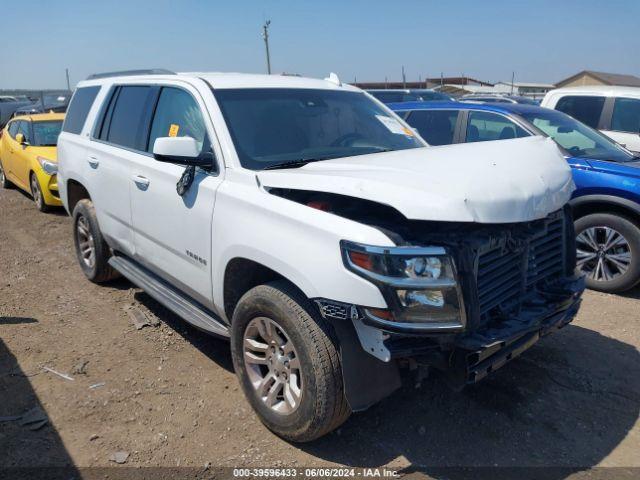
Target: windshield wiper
[293, 163]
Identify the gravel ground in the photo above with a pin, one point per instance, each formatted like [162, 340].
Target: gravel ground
[166, 394]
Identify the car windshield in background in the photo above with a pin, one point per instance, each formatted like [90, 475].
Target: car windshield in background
[45, 134]
[576, 138]
[434, 97]
[273, 127]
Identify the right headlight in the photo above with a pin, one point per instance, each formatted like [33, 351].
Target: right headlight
[418, 283]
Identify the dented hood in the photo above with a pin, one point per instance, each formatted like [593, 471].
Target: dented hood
[489, 182]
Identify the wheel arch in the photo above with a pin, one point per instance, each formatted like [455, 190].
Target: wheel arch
[589, 204]
[75, 192]
[241, 275]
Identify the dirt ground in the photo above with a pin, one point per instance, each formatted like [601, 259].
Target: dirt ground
[167, 394]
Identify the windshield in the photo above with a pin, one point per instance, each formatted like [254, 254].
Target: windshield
[576, 138]
[272, 126]
[45, 134]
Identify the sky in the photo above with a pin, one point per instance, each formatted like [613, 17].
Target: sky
[539, 40]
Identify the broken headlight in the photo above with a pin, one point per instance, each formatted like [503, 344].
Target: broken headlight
[418, 283]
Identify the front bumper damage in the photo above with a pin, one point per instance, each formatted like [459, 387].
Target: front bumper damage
[371, 357]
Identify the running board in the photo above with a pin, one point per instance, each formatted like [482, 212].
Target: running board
[170, 297]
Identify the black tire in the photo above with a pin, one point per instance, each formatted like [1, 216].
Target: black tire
[631, 234]
[4, 181]
[98, 270]
[322, 406]
[36, 193]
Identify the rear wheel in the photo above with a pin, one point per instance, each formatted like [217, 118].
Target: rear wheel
[92, 250]
[608, 251]
[4, 181]
[36, 193]
[287, 362]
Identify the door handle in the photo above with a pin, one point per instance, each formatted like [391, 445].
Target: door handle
[141, 182]
[93, 161]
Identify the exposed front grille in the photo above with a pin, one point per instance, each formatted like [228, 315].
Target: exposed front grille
[513, 266]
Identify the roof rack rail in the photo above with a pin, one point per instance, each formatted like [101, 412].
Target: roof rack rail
[126, 73]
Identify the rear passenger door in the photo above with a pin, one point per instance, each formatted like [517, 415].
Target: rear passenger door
[437, 127]
[623, 124]
[486, 126]
[118, 142]
[172, 233]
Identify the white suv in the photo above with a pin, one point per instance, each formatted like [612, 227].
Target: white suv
[308, 223]
[613, 110]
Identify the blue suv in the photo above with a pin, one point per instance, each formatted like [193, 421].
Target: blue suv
[606, 203]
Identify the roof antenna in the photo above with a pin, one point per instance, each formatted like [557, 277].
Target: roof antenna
[333, 78]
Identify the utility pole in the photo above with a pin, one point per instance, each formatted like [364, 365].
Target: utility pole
[68, 83]
[404, 79]
[513, 76]
[265, 35]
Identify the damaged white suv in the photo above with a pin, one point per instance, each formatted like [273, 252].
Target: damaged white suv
[305, 221]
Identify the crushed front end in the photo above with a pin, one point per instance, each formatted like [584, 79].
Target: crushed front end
[462, 298]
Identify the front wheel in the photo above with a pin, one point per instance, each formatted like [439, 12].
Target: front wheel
[287, 362]
[608, 252]
[36, 193]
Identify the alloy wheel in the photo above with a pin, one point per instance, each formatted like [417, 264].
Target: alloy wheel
[603, 253]
[35, 190]
[86, 244]
[273, 365]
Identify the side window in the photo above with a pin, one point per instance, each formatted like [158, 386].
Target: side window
[13, 129]
[126, 126]
[485, 126]
[177, 115]
[585, 109]
[25, 129]
[435, 126]
[79, 109]
[626, 115]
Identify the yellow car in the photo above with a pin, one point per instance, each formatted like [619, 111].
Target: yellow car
[28, 157]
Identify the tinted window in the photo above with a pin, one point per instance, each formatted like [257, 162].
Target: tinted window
[270, 126]
[485, 126]
[13, 129]
[177, 115]
[79, 108]
[45, 134]
[585, 109]
[435, 126]
[126, 126]
[626, 115]
[395, 97]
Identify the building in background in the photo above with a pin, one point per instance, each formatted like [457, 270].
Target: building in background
[589, 77]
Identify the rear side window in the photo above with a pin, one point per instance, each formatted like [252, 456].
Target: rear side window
[435, 126]
[177, 115]
[486, 126]
[126, 126]
[79, 109]
[626, 115]
[585, 109]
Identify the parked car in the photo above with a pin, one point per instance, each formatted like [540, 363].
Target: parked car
[55, 103]
[615, 111]
[308, 224]
[498, 98]
[606, 203]
[408, 95]
[8, 106]
[28, 157]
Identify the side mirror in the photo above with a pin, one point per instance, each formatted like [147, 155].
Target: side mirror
[181, 151]
[21, 140]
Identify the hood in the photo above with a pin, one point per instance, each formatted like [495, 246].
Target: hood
[488, 182]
